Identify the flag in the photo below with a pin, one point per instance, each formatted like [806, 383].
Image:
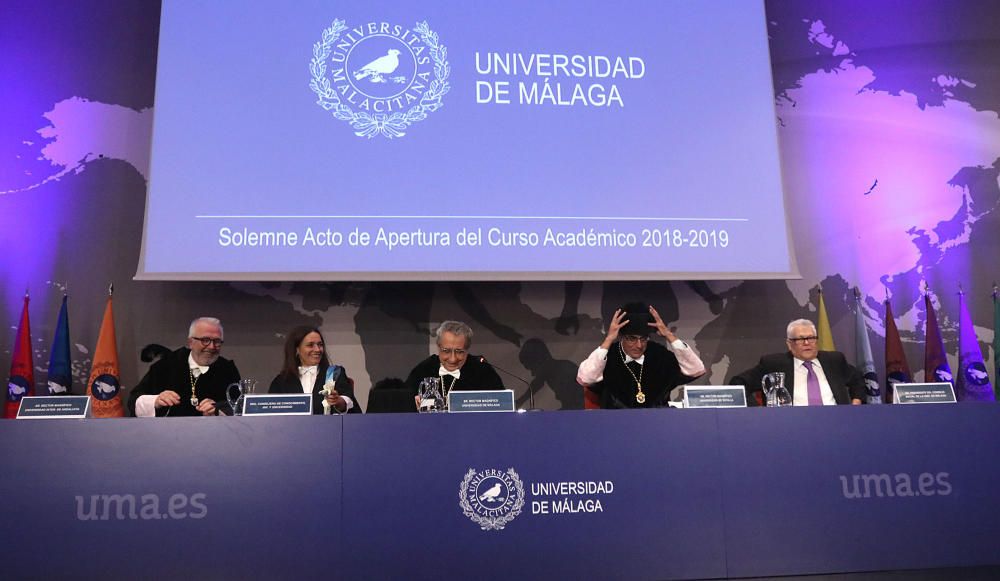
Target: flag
[863, 353]
[936, 368]
[973, 381]
[60, 366]
[103, 386]
[22, 370]
[996, 342]
[897, 370]
[825, 336]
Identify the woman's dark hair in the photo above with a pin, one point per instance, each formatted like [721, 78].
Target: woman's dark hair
[290, 369]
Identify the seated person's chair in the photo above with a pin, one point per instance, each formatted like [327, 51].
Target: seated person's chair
[391, 396]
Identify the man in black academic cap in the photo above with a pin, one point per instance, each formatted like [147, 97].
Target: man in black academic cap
[629, 371]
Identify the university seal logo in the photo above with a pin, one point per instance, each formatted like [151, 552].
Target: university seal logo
[975, 374]
[104, 387]
[17, 387]
[491, 498]
[379, 77]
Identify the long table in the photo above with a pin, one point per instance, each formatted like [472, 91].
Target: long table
[655, 494]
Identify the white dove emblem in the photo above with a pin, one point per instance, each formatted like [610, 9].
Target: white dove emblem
[378, 68]
[15, 389]
[56, 388]
[104, 387]
[491, 494]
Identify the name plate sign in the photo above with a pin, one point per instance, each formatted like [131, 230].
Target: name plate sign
[923, 393]
[277, 404]
[716, 396]
[500, 400]
[49, 407]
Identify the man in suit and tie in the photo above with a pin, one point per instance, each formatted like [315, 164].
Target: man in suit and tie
[812, 377]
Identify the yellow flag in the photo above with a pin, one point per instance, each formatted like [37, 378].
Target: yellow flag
[103, 387]
[825, 342]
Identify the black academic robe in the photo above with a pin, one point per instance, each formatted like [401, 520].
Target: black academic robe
[475, 374]
[661, 373]
[343, 384]
[173, 373]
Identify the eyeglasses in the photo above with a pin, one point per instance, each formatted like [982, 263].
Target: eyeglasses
[803, 340]
[635, 339]
[206, 341]
[449, 352]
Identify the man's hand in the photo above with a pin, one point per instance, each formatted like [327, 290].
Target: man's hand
[660, 326]
[618, 321]
[167, 398]
[206, 407]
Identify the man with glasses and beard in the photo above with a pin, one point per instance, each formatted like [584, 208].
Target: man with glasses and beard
[812, 377]
[190, 381]
[629, 371]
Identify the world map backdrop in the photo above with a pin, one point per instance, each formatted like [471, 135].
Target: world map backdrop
[890, 143]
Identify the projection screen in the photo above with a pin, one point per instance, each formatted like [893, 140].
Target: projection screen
[519, 140]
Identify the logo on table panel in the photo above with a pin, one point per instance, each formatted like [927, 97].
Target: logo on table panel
[104, 387]
[17, 387]
[491, 498]
[379, 77]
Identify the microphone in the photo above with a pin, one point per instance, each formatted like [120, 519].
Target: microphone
[531, 394]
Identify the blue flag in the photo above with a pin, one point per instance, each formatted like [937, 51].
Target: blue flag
[973, 381]
[863, 353]
[60, 366]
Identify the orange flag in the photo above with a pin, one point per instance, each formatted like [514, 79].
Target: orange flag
[103, 386]
[21, 381]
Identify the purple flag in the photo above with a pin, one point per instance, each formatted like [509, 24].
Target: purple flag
[973, 381]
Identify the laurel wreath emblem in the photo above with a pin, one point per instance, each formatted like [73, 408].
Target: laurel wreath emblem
[386, 125]
[488, 523]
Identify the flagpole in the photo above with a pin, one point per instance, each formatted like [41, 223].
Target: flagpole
[996, 341]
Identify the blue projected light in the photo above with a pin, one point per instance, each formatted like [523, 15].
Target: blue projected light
[515, 140]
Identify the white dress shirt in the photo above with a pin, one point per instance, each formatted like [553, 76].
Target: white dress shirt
[592, 369]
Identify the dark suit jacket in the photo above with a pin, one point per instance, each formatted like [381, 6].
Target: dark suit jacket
[344, 386]
[845, 380]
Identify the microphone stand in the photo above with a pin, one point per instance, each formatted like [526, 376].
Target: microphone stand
[531, 393]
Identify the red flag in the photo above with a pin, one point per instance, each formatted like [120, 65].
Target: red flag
[103, 386]
[22, 370]
[897, 370]
[936, 368]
